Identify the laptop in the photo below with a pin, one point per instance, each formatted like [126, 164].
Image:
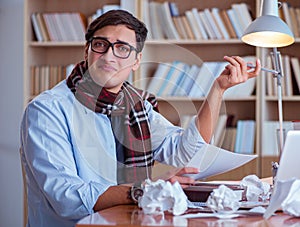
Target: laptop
[287, 171]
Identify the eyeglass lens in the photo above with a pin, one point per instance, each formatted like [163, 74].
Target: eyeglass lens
[120, 49]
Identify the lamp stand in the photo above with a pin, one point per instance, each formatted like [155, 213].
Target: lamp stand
[278, 73]
[277, 62]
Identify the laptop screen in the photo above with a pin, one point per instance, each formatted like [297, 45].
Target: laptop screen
[289, 164]
[288, 169]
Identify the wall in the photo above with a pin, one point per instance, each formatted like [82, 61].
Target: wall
[11, 102]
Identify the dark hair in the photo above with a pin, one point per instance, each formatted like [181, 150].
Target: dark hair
[116, 17]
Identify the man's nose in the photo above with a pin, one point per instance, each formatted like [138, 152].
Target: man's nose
[109, 52]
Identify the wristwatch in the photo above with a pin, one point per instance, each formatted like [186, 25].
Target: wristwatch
[136, 192]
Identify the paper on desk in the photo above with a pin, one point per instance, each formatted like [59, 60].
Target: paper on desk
[212, 160]
[281, 191]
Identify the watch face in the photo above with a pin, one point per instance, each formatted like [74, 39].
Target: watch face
[136, 193]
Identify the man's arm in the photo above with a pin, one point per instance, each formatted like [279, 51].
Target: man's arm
[113, 196]
[234, 73]
[119, 194]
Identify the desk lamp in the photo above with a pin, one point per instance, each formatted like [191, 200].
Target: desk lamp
[270, 31]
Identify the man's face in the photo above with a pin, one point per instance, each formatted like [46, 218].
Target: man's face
[106, 69]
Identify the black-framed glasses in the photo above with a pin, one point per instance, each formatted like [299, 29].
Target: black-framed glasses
[120, 49]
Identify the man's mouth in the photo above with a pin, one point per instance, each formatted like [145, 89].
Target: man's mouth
[108, 68]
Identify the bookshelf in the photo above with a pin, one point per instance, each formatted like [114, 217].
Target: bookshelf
[258, 107]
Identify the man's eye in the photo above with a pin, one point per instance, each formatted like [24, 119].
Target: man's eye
[124, 48]
[99, 44]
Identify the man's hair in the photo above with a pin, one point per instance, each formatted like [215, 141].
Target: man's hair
[119, 17]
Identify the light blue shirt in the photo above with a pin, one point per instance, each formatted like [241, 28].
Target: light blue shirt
[69, 155]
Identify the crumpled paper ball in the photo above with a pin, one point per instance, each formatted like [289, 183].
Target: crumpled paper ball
[256, 190]
[291, 205]
[160, 196]
[223, 200]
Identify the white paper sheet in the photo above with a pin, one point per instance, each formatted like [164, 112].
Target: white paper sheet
[212, 160]
[280, 193]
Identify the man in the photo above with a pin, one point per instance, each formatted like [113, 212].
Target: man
[87, 140]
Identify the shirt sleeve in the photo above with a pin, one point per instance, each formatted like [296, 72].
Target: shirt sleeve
[50, 162]
[173, 145]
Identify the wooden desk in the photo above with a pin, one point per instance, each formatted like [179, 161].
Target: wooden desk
[130, 215]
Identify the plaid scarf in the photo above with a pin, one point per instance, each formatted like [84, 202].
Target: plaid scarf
[128, 116]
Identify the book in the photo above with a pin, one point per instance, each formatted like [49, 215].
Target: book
[182, 69]
[71, 27]
[245, 134]
[43, 27]
[155, 18]
[165, 80]
[180, 27]
[50, 27]
[132, 6]
[174, 9]
[145, 15]
[197, 89]
[286, 14]
[287, 75]
[62, 27]
[44, 77]
[242, 15]
[199, 23]
[296, 70]
[229, 139]
[32, 81]
[158, 78]
[293, 17]
[248, 141]
[54, 17]
[199, 192]
[188, 80]
[228, 24]
[238, 139]
[173, 79]
[187, 27]
[235, 22]
[80, 21]
[206, 24]
[212, 23]
[193, 24]
[167, 21]
[269, 78]
[297, 12]
[36, 28]
[219, 131]
[219, 22]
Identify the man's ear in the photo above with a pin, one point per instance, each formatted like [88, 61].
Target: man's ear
[137, 62]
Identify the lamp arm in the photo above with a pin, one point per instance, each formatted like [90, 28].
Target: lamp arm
[264, 69]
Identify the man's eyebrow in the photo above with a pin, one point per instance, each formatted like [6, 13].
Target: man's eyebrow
[101, 37]
[121, 41]
[106, 38]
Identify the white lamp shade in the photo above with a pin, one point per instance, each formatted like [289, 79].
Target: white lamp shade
[268, 30]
